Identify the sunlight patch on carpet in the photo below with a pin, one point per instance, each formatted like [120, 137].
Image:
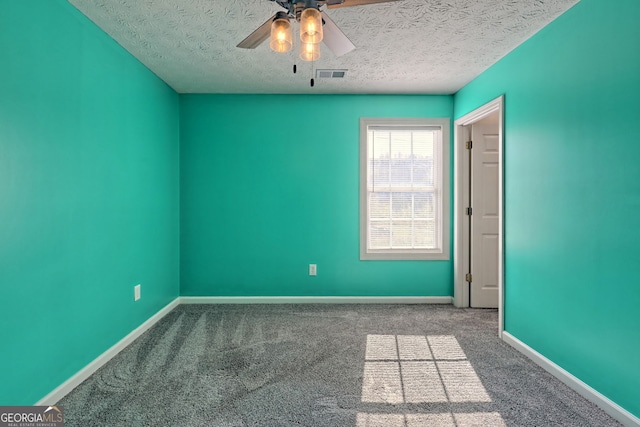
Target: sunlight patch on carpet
[419, 369]
[475, 419]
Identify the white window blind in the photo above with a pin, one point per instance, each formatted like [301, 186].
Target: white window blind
[404, 190]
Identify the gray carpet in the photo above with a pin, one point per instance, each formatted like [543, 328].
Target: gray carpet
[325, 365]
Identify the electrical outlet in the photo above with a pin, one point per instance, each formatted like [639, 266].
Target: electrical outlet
[136, 292]
[312, 270]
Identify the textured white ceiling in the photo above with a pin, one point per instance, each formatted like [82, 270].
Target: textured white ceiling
[409, 46]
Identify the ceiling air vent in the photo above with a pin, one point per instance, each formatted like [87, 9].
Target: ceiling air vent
[331, 74]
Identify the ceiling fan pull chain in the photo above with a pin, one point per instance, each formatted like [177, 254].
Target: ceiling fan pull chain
[311, 82]
[293, 50]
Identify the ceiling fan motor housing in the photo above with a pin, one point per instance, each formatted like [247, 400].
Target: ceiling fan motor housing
[295, 7]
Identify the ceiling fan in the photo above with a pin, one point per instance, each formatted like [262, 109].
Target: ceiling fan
[315, 27]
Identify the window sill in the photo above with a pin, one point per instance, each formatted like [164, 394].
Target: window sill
[404, 256]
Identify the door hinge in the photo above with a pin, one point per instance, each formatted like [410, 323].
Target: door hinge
[469, 145]
[468, 277]
[469, 211]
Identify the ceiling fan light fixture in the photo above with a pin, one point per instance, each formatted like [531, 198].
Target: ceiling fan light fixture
[281, 38]
[311, 26]
[309, 51]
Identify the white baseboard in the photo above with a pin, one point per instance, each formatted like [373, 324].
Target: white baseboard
[316, 300]
[97, 363]
[607, 405]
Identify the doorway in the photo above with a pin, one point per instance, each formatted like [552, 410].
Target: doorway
[479, 209]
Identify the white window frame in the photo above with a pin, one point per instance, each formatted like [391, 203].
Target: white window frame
[441, 252]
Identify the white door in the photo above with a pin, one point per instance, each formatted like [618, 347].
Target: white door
[485, 213]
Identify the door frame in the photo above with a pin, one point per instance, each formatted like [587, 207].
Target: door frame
[461, 202]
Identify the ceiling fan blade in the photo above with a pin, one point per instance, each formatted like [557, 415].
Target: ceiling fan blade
[350, 3]
[334, 38]
[254, 39]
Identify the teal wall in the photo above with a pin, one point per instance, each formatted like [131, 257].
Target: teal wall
[269, 185]
[572, 192]
[89, 195]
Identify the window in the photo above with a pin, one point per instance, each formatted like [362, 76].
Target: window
[404, 189]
